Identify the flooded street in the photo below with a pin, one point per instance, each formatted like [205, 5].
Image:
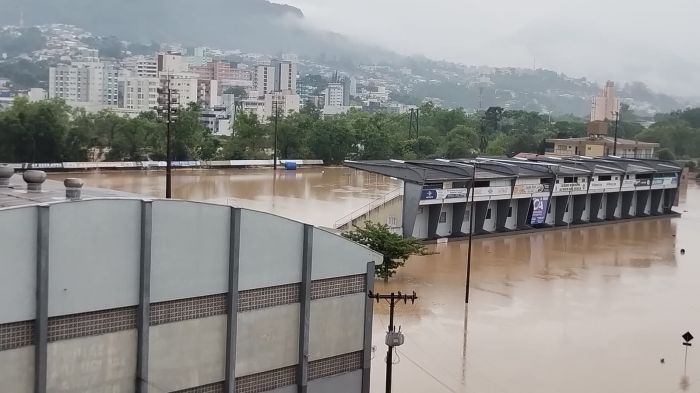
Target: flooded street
[574, 310]
[580, 310]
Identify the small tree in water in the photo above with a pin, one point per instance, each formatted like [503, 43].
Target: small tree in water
[381, 239]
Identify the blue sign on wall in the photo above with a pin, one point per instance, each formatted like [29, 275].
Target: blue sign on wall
[428, 194]
[539, 210]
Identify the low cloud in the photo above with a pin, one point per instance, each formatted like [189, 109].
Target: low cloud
[625, 40]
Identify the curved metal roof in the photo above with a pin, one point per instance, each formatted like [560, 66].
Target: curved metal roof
[427, 171]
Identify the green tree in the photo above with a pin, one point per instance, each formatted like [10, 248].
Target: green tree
[395, 249]
[238, 92]
[425, 146]
[249, 140]
[331, 139]
[461, 142]
[665, 154]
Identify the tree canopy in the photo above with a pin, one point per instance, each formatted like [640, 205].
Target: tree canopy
[57, 132]
[392, 246]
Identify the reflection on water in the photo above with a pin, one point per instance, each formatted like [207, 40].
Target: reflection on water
[578, 310]
[318, 196]
[574, 310]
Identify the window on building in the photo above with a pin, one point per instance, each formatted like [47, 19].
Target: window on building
[392, 221]
[488, 214]
[443, 217]
[459, 184]
[604, 177]
[482, 183]
[569, 179]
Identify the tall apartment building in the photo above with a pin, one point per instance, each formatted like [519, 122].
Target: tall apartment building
[171, 62]
[91, 85]
[184, 87]
[264, 80]
[286, 77]
[138, 94]
[605, 105]
[277, 76]
[142, 66]
[335, 93]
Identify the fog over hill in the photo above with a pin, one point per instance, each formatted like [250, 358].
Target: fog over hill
[260, 26]
[249, 25]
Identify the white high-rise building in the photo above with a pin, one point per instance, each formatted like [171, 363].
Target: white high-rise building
[606, 106]
[334, 94]
[171, 63]
[91, 85]
[138, 94]
[142, 66]
[264, 79]
[275, 77]
[286, 76]
[185, 88]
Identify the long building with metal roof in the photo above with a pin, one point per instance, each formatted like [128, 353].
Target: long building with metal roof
[442, 198]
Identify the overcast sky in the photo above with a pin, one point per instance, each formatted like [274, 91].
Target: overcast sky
[654, 41]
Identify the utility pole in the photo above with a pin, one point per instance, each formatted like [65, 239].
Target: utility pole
[167, 106]
[417, 112]
[617, 120]
[168, 159]
[410, 124]
[471, 232]
[274, 156]
[393, 338]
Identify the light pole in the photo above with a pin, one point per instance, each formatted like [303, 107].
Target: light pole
[617, 120]
[471, 231]
[274, 153]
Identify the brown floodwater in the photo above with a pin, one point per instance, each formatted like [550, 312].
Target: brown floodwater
[574, 310]
[313, 195]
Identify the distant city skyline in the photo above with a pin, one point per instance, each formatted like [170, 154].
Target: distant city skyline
[623, 41]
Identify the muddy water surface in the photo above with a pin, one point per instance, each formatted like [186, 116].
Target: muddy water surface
[580, 310]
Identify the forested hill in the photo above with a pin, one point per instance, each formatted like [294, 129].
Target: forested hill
[257, 26]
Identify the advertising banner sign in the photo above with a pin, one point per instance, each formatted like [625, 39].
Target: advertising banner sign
[642, 182]
[539, 210]
[530, 188]
[565, 187]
